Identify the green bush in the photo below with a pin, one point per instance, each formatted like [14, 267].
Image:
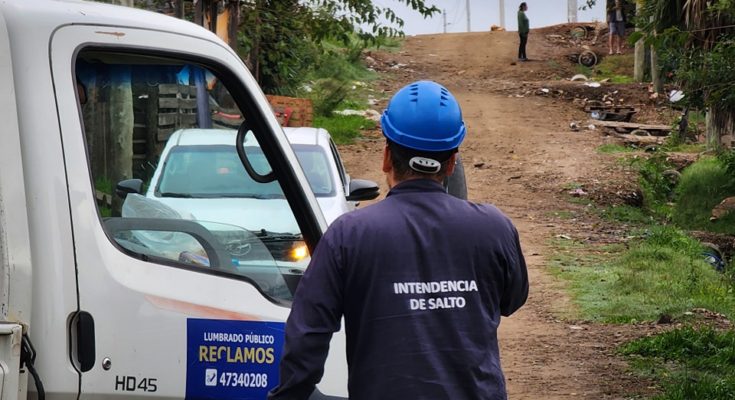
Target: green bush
[656, 185]
[703, 185]
[344, 128]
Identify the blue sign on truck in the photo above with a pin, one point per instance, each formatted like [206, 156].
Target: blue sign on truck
[232, 359]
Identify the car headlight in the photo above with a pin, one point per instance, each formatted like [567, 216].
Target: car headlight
[298, 252]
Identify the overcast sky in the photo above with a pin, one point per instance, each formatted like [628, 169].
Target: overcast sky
[485, 13]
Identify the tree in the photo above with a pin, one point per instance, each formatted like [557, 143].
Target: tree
[696, 43]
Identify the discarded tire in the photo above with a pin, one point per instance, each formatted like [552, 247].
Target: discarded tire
[578, 33]
[588, 58]
[456, 184]
[640, 132]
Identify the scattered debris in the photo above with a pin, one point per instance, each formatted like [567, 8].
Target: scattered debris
[565, 237]
[722, 209]
[479, 165]
[664, 319]
[578, 192]
[603, 112]
[618, 126]
[369, 114]
[574, 126]
[593, 84]
[579, 77]
[577, 328]
[676, 96]
[713, 256]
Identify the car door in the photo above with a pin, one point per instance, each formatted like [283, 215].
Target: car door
[171, 305]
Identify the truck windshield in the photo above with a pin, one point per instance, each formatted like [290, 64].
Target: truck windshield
[172, 125]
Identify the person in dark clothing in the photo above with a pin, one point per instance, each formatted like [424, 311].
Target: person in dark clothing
[616, 24]
[421, 278]
[522, 31]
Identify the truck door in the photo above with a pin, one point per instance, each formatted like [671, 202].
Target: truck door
[185, 262]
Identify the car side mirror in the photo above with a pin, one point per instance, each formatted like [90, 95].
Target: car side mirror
[361, 189]
[124, 188]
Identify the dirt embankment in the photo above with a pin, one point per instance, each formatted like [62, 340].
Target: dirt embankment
[521, 155]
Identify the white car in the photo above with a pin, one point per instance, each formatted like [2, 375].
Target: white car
[335, 191]
[202, 178]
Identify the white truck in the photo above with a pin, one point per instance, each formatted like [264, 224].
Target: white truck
[97, 302]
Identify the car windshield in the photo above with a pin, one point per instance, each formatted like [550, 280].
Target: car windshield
[214, 171]
[211, 171]
[315, 164]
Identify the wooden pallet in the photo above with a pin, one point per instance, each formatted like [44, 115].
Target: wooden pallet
[653, 130]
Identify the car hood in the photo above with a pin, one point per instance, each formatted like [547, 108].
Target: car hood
[273, 215]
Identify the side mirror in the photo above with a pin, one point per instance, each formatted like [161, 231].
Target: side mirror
[361, 189]
[124, 188]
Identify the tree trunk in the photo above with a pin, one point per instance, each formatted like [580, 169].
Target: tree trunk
[720, 127]
[658, 86]
[255, 50]
[120, 142]
[233, 25]
[639, 54]
[179, 9]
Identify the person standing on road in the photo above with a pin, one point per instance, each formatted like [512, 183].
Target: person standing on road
[522, 31]
[421, 278]
[616, 23]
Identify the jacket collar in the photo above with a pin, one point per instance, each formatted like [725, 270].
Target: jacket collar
[417, 185]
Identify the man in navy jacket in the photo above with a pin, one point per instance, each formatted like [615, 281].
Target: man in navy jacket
[421, 277]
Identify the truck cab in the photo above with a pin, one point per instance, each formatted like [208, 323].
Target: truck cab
[122, 296]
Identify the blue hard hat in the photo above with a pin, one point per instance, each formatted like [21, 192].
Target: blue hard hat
[424, 116]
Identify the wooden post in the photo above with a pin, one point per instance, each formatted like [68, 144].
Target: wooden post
[639, 53]
[121, 124]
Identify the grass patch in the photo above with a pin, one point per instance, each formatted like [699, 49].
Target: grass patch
[664, 273]
[344, 128]
[617, 68]
[687, 148]
[691, 363]
[611, 148]
[626, 214]
[702, 186]
[562, 214]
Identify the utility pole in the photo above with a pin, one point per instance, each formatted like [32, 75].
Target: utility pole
[444, 18]
[469, 29]
[501, 12]
[572, 10]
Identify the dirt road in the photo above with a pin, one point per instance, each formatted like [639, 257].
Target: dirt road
[519, 154]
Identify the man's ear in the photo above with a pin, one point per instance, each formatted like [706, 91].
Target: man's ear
[451, 164]
[387, 161]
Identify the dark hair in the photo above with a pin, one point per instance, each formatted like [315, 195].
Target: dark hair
[520, 8]
[401, 155]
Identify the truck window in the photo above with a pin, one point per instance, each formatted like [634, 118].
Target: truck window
[170, 187]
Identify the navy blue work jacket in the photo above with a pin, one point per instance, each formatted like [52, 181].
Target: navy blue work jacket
[421, 279]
